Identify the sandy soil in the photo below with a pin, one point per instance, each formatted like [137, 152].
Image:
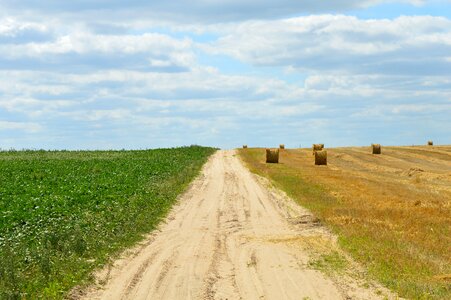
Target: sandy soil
[231, 236]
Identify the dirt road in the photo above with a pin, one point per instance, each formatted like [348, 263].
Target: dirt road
[230, 237]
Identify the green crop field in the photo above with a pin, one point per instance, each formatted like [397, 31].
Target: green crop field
[64, 213]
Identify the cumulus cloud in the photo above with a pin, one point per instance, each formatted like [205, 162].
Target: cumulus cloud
[78, 50]
[327, 43]
[13, 31]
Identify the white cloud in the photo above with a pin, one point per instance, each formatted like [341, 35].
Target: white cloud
[338, 43]
[25, 126]
[152, 51]
[81, 43]
[11, 27]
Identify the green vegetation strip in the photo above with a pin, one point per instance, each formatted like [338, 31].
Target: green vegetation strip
[64, 213]
[387, 256]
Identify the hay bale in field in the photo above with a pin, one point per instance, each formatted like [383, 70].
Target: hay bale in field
[318, 147]
[282, 146]
[321, 157]
[376, 148]
[244, 146]
[272, 156]
[430, 143]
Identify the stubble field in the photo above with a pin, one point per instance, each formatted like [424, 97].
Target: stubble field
[392, 211]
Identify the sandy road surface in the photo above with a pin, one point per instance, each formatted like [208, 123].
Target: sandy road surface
[230, 237]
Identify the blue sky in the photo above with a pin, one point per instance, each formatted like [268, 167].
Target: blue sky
[147, 74]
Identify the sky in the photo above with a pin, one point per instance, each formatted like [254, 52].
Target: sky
[111, 74]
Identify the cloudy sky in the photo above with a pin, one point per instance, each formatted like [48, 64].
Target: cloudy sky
[111, 74]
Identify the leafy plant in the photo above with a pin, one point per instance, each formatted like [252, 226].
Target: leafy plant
[64, 213]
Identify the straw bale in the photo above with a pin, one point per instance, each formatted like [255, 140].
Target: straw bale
[321, 157]
[272, 156]
[376, 148]
[318, 147]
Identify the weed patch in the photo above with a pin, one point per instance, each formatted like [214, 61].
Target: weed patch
[332, 262]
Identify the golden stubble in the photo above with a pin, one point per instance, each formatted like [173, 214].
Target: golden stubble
[400, 198]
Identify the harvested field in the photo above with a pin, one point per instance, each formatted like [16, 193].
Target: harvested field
[392, 211]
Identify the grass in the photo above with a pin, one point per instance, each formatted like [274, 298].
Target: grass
[63, 214]
[331, 262]
[376, 214]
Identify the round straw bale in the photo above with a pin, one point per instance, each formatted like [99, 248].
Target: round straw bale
[318, 147]
[321, 157]
[272, 156]
[244, 146]
[282, 146]
[430, 143]
[376, 148]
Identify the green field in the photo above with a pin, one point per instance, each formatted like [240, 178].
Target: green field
[65, 213]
